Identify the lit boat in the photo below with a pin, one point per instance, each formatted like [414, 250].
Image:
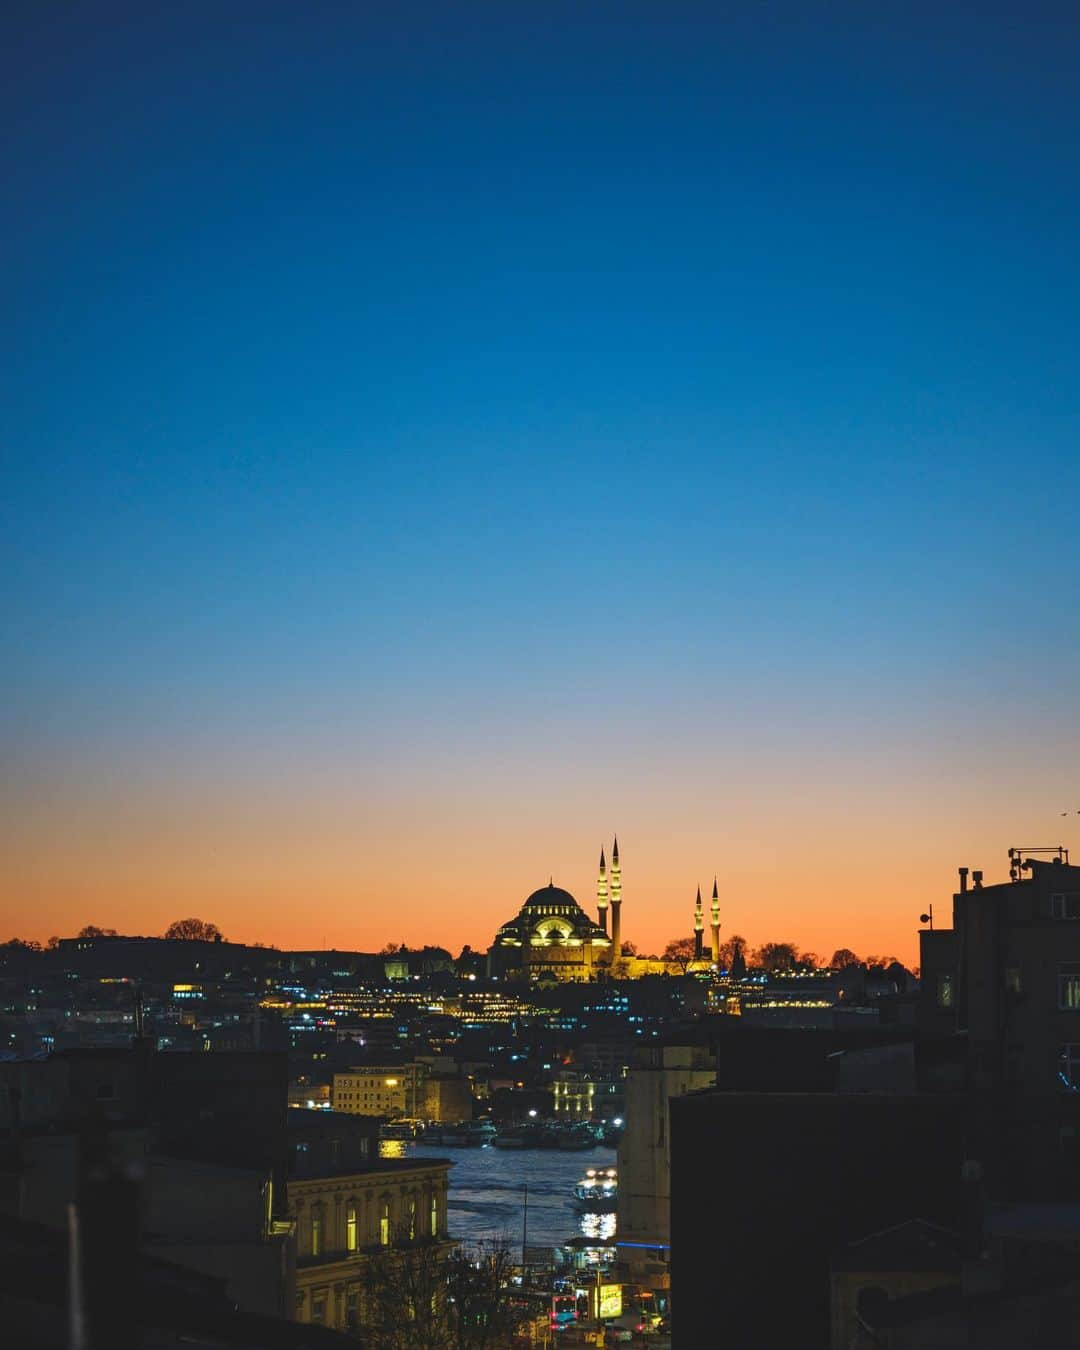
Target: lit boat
[597, 1190]
[400, 1129]
[463, 1134]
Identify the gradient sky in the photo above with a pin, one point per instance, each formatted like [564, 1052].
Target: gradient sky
[438, 436]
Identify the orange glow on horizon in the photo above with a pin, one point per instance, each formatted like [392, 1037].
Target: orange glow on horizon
[304, 865]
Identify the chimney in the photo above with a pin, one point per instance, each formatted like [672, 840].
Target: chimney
[976, 880]
[963, 879]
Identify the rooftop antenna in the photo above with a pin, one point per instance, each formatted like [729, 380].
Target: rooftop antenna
[1019, 858]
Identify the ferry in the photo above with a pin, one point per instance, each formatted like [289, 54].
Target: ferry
[597, 1190]
[463, 1134]
[519, 1136]
[401, 1129]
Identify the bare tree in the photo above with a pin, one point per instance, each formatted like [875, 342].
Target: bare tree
[735, 943]
[423, 1295]
[194, 930]
[776, 956]
[680, 952]
[91, 930]
[484, 1311]
[844, 957]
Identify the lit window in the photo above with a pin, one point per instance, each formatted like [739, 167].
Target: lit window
[351, 1230]
[384, 1224]
[434, 1214]
[316, 1231]
[412, 1218]
[945, 991]
[1069, 987]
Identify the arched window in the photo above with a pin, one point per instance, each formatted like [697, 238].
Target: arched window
[384, 1222]
[434, 1213]
[352, 1227]
[412, 1218]
[316, 1230]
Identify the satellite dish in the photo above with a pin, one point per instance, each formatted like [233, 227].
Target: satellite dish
[924, 918]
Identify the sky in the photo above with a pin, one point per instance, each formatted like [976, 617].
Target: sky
[438, 437]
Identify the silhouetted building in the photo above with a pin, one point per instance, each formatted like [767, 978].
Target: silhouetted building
[764, 1187]
[1005, 982]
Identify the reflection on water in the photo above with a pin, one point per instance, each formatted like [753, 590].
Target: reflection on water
[487, 1192]
[598, 1227]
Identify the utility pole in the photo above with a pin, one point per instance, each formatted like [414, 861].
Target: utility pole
[524, 1236]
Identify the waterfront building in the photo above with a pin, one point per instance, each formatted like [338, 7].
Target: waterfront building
[390, 1090]
[350, 1207]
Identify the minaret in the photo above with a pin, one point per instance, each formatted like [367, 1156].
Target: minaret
[715, 925]
[601, 893]
[616, 903]
[699, 926]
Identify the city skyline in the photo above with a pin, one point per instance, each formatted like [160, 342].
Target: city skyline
[442, 439]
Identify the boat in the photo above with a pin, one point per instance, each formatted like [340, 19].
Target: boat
[515, 1137]
[462, 1134]
[611, 1134]
[597, 1190]
[400, 1129]
[577, 1136]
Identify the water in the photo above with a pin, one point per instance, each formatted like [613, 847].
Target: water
[486, 1200]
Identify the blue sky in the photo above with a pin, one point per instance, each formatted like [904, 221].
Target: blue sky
[389, 390]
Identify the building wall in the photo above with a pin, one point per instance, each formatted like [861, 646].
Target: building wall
[644, 1205]
[392, 1090]
[447, 1100]
[342, 1220]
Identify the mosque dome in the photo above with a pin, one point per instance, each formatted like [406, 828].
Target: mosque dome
[552, 914]
[550, 895]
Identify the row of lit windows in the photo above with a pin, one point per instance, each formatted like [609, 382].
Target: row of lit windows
[1068, 986]
[409, 1229]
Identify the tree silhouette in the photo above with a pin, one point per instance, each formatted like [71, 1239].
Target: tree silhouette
[735, 943]
[91, 930]
[844, 957]
[809, 960]
[628, 949]
[679, 951]
[776, 956]
[422, 1295]
[194, 930]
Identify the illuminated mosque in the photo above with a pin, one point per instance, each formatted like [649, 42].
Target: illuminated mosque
[551, 936]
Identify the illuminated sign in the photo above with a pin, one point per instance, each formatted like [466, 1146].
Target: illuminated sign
[605, 1301]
